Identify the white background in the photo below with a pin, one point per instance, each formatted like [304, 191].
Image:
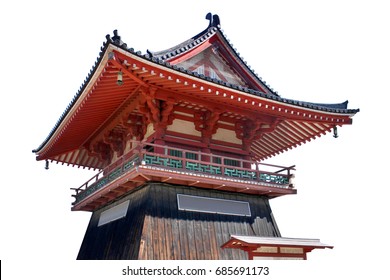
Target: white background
[318, 51]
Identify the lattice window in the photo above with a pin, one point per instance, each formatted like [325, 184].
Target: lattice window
[176, 153]
[190, 155]
[231, 162]
[217, 160]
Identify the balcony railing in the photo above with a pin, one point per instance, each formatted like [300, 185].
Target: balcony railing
[188, 162]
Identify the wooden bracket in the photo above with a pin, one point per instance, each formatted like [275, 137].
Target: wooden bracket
[207, 122]
[116, 140]
[250, 130]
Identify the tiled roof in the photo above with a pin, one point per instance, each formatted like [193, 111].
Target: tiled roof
[160, 59]
[186, 45]
[213, 28]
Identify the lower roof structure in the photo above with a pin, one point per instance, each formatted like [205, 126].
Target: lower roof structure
[259, 247]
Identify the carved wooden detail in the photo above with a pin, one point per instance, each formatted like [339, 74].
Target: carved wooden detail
[116, 140]
[207, 122]
[136, 126]
[166, 111]
[149, 106]
[158, 112]
[102, 150]
[252, 130]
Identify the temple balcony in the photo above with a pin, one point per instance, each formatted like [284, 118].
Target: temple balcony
[156, 163]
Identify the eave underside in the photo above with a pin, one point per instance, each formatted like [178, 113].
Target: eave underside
[103, 105]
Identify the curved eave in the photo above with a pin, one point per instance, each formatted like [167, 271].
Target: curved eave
[175, 78]
[100, 98]
[94, 105]
[300, 121]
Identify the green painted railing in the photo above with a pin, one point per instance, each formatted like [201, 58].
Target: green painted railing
[86, 190]
[216, 169]
[161, 156]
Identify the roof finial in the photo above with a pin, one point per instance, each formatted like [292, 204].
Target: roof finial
[116, 38]
[214, 20]
[209, 16]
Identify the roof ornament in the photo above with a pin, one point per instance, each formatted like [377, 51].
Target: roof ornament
[335, 133]
[214, 20]
[116, 39]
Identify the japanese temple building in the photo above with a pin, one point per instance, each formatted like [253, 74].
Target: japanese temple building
[178, 139]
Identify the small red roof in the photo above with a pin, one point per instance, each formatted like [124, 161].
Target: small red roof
[274, 247]
[241, 241]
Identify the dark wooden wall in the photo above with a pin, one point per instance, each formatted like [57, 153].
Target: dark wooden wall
[154, 228]
[119, 239]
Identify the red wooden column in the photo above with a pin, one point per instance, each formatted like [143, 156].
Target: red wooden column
[159, 138]
[246, 146]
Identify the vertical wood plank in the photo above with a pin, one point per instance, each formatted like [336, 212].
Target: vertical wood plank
[154, 228]
[176, 242]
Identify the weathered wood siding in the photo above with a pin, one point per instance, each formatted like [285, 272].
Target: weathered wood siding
[154, 228]
[119, 239]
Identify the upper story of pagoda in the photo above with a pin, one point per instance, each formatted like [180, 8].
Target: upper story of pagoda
[209, 54]
[196, 101]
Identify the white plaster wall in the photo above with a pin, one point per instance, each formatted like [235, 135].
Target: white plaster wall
[227, 136]
[184, 127]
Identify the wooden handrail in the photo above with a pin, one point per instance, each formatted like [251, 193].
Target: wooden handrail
[292, 167]
[140, 151]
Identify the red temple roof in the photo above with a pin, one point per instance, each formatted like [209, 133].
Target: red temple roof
[281, 123]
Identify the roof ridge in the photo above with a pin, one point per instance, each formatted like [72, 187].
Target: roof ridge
[182, 47]
[334, 107]
[214, 27]
[252, 71]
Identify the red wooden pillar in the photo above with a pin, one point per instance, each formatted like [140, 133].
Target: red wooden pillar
[246, 144]
[206, 139]
[159, 139]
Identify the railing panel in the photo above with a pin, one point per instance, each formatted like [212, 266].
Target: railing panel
[186, 160]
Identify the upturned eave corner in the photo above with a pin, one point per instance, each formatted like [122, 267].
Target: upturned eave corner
[138, 67]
